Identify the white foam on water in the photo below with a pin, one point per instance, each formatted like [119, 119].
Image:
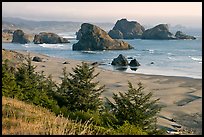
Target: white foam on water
[54, 46]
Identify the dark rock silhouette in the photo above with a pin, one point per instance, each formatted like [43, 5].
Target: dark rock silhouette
[37, 59]
[20, 37]
[181, 35]
[120, 61]
[134, 63]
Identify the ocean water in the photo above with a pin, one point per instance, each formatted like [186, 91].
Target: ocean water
[169, 57]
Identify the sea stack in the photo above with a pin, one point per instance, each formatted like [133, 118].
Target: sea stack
[20, 37]
[94, 38]
[49, 38]
[159, 32]
[125, 29]
[181, 35]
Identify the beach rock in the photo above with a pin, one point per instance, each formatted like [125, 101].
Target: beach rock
[115, 34]
[129, 29]
[94, 38]
[134, 63]
[94, 63]
[181, 35]
[37, 59]
[20, 37]
[49, 38]
[120, 61]
[66, 62]
[160, 32]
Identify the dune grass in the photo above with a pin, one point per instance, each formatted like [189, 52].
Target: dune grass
[20, 118]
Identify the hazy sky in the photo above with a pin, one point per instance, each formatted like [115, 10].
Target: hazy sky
[149, 13]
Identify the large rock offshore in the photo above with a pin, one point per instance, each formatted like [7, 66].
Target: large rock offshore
[49, 38]
[20, 37]
[159, 32]
[94, 38]
[129, 29]
[181, 35]
[115, 34]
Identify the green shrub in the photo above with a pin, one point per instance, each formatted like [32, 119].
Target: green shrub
[83, 116]
[129, 129]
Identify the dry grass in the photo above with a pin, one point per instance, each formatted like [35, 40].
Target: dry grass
[19, 118]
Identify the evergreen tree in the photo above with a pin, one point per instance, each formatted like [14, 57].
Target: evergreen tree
[9, 85]
[35, 87]
[136, 108]
[77, 90]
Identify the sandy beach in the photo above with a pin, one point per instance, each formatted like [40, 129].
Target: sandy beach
[181, 97]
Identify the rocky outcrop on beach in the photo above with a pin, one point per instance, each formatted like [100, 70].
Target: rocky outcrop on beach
[20, 37]
[160, 32]
[94, 38]
[129, 30]
[37, 59]
[181, 35]
[120, 61]
[134, 63]
[49, 38]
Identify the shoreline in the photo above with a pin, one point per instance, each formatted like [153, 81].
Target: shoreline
[113, 70]
[179, 96]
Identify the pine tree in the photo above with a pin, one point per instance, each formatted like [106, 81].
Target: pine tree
[9, 85]
[77, 90]
[35, 87]
[136, 107]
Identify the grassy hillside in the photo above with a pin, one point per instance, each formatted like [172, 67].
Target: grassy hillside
[20, 118]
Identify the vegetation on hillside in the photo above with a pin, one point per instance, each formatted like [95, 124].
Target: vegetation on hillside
[78, 98]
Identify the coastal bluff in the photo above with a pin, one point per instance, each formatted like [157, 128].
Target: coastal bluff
[94, 38]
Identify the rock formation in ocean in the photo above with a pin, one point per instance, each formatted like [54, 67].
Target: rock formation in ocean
[160, 32]
[120, 61]
[94, 38]
[20, 37]
[49, 38]
[129, 29]
[115, 34]
[134, 63]
[78, 35]
[181, 35]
